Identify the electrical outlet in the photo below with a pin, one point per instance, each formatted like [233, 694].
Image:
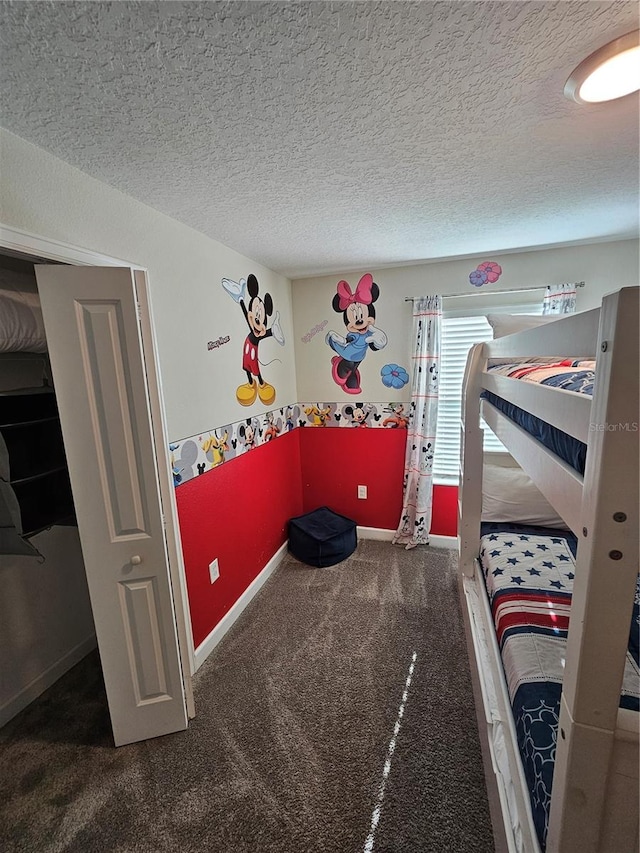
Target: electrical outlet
[214, 570]
[362, 491]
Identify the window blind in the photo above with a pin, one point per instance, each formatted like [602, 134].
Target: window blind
[461, 328]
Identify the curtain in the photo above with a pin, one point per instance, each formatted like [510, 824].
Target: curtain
[560, 299]
[415, 521]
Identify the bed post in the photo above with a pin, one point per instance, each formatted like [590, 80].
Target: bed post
[470, 482]
[603, 594]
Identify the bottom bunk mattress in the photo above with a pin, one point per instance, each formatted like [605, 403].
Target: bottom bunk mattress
[529, 581]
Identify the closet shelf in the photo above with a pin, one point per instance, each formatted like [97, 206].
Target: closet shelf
[39, 476]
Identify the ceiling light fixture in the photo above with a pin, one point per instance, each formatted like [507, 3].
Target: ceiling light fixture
[611, 72]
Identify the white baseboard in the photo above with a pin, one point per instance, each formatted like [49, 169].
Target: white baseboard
[387, 535]
[443, 541]
[211, 641]
[40, 683]
[375, 533]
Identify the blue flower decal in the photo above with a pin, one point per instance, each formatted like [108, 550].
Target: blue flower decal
[394, 376]
[478, 278]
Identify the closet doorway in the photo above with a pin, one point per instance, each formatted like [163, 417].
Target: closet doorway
[100, 344]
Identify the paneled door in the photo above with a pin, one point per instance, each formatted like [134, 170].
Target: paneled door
[93, 333]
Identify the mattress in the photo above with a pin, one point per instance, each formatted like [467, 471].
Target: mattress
[529, 581]
[21, 323]
[569, 375]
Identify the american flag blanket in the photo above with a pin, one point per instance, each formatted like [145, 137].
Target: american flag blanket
[529, 581]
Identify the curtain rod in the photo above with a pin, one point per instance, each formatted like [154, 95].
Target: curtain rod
[496, 292]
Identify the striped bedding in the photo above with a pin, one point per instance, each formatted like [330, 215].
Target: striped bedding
[569, 374]
[529, 580]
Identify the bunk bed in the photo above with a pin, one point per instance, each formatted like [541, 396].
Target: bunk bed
[579, 792]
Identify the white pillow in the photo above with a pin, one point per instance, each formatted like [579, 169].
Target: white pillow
[508, 494]
[509, 324]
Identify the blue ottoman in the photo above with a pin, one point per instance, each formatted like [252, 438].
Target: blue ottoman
[322, 538]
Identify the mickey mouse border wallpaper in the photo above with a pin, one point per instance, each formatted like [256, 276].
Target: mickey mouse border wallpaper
[199, 454]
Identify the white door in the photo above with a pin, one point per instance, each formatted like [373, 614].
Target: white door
[91, 320]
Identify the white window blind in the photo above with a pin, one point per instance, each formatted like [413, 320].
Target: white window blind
[462, 327]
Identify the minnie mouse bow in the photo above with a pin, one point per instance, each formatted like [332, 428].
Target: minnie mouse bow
[362, 294]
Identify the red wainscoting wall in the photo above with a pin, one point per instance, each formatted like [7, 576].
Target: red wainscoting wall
[238, 513]
[444, 521]
[336, 460]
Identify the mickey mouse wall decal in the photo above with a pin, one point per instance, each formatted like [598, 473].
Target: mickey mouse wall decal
[256, 316]
[359, 316]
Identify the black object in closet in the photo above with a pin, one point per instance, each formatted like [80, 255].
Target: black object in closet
[35, 492]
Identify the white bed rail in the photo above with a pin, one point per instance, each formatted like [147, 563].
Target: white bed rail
[603, 592]
[571, 336]
[595, 792]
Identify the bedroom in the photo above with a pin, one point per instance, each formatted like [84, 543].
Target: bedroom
[45, 196]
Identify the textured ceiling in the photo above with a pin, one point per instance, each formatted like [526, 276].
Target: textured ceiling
[320, 136]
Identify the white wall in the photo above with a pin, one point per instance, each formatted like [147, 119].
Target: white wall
[603, 266]
[44, 196]
[46, 624]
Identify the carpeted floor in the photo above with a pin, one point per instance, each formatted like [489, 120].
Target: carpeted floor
[291, 751]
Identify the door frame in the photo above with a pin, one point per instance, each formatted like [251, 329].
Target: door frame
[43, 248]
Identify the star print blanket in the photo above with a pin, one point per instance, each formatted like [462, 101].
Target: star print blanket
[529, 580]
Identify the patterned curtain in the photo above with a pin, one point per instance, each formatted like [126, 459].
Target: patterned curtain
[559, 299]
[421, 434]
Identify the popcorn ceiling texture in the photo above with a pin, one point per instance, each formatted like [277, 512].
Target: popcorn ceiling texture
[330, 136]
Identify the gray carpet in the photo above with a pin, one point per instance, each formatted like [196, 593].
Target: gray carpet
[296, 712]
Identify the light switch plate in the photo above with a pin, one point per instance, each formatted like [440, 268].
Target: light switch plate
[362, 491]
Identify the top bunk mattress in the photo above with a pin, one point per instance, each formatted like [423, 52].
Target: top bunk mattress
[577, 375]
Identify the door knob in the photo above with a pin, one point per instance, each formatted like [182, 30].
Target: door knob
[135, 560]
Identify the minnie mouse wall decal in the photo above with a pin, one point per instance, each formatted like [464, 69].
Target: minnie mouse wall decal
[359, 317]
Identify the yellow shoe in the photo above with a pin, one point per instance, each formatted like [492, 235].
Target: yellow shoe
[246, 394]
[267, 393]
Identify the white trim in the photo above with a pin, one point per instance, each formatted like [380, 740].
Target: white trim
[437, 541]
[53, 250]
[209, 643]
[43, 681]
[384, 535]
[507, 766]
[379, 533]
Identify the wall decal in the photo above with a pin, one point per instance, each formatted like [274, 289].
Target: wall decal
[359, 316]
[291, 415]
[256, 316]
[318, 415]
[249, 434]
[358, 414]
[487, 272]
[397, 418]
[216, 447]
[312, 332]
[394, 376]
[182, 466]
[273, 427]
[215, 344]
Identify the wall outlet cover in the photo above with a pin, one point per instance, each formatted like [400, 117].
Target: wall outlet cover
[214, 570]
[362, 491]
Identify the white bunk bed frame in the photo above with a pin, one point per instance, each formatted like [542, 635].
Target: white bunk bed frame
[594, 806]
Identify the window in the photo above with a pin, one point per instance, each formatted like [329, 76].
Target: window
[463, 326]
